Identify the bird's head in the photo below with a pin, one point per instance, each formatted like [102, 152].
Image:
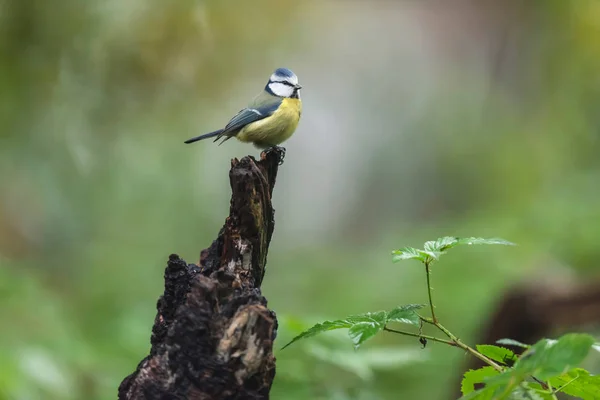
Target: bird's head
[284, 83]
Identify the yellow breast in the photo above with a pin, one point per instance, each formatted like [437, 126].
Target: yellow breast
[276, 128]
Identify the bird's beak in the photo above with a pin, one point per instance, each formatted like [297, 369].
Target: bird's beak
[297, 87]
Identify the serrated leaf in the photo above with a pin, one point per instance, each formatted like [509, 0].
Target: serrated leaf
[536, 388]
[497, 353]
[579, 383]
[524, 393]
[475, 376]
[405, 314]
[441, 244]
[430, 255]
[481, 394]
[476, 240]
[378, 316]
[548, 358]
[407, 253]
[511, 342]
[320, 328]
[363, 331]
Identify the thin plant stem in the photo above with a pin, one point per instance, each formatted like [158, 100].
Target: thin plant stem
[453, 339]
[458, 343]
[432, 338]
[429, 292]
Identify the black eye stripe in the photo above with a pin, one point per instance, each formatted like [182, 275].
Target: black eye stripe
[285, 83]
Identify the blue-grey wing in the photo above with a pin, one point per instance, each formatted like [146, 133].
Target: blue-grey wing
[249, 115]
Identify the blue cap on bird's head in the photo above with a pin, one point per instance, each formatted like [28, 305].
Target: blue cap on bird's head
[283, 73]
[283, 83]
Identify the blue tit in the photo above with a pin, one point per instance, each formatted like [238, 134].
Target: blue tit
[270, 118]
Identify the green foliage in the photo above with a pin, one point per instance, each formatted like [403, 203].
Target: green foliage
[507, 375]
[547, 360]
[496, 353]
[405, 314]
[433, 249]
[578, 382]
[364, 331]
[474, 240]
[364, 326]
[476, 376]
[511, 342]
[409, 253]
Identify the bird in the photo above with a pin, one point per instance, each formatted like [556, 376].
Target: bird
[269, 119]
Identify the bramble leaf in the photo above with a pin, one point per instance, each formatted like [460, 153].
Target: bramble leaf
[405, 314]
[363, 331]
[526, 393]
[497, 353]
[441, 244]
[364, 326]
[578, 382]
[548, 358]
[476, 240]
[433, 249]
[407, 253]
[511, 342]
[429, 256]
[475, 376]
[320, 328]
[481, 394]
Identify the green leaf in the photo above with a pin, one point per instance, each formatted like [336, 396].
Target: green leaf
[481, 394]
[475, 376]
[405, 314]
[441, 244]
[433, 249]
[363, 331]
[407, 253]
[475, 240]
[379, 317]
[497, 353]
[536, 388]
[579, 383]
[430, 255]
[525, 393]
[511, 342]
[366, 326]
[320, 328]
[548, 358]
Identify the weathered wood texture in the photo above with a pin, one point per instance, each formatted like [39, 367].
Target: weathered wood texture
[213, 334]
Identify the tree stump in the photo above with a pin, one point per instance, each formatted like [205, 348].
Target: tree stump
[213, 333]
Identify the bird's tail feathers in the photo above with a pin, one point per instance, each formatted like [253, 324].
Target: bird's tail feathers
[205, 136]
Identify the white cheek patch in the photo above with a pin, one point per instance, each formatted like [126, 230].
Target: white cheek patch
[277, 78]
[281, 89]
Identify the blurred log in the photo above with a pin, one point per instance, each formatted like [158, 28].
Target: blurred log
[540, 308]
[213, 334]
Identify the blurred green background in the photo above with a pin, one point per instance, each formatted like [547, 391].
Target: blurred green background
[421, 119]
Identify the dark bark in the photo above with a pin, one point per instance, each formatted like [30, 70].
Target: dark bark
[213, 333]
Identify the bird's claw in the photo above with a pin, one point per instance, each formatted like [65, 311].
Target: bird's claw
[279, 151]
